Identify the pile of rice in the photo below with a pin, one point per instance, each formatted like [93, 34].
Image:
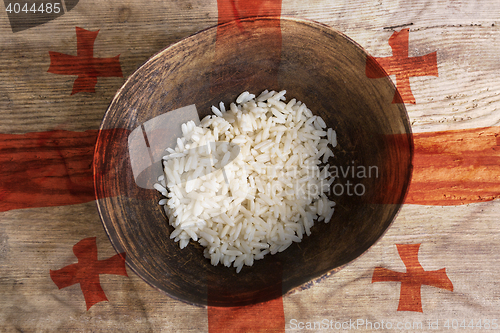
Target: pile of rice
[263, 200]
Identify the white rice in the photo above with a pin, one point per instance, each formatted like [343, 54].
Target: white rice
[264, 199]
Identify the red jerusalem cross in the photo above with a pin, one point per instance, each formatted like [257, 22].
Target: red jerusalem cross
[413, 279]
[86, 271]
[84, 64]
[402, 66]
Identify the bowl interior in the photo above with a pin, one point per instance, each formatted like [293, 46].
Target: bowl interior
[314, 64]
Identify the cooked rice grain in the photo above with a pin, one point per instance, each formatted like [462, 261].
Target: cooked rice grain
[263, 200]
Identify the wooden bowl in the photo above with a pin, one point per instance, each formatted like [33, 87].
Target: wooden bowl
[316, 65]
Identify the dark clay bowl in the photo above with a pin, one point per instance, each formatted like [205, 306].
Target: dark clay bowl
[316, 65]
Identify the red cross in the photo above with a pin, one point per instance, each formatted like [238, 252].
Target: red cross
[262, 317]
[235, 10]
[402, 66]
[269, 47]
[413, 279]
[84, 64]
[86, 272]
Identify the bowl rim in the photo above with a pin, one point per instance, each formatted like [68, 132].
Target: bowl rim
[303, 21]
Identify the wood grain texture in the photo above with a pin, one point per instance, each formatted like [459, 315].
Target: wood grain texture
[34, 241]
[34, 100]
[463, 239]
[41, 169]
[456, 167]
[455, 238]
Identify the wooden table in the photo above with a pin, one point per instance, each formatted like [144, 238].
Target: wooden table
[435, 269]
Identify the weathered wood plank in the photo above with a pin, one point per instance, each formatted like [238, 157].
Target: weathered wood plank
[462, 239]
